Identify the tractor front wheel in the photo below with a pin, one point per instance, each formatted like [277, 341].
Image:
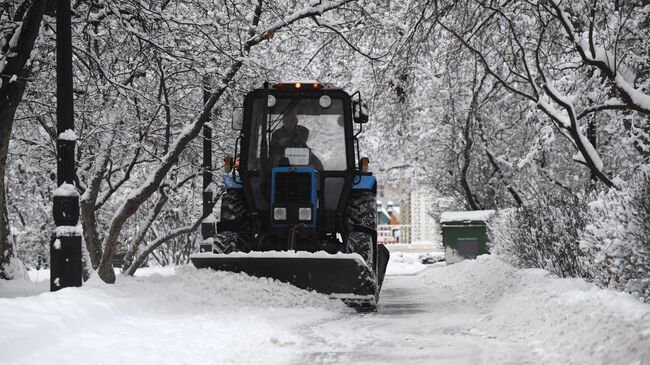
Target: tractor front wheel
[362, 212]
[361, 243]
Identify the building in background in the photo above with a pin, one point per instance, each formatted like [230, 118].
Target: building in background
[418, 223]
[388, 223]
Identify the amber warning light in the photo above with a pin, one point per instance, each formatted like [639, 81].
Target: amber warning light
[363, 164]
[297, 85]
[227, 164]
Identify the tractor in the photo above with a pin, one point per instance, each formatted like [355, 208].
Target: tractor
[300, 203]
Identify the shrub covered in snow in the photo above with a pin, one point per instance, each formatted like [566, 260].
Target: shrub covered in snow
[617, 237]
[544, 234]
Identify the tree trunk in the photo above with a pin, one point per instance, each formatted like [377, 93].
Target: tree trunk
[6, 122]
[12, 86]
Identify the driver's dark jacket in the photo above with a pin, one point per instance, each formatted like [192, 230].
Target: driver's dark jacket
[297, 138]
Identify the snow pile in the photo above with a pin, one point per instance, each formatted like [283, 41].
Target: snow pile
[477, 311]
[481, 282]
[210, 288]
[16, 270]
[564, 321]
[195, 316]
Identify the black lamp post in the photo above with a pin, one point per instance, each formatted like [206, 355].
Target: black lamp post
[207, 226]
[65, 246]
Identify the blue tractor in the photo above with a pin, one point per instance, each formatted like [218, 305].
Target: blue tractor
[300, 203]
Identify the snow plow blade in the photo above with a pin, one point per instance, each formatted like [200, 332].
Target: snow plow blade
[341, 276]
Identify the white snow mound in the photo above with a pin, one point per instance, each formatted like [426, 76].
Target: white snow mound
[566, 321]
[195, 316]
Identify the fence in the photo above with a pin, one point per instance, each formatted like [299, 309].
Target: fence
[390, 233]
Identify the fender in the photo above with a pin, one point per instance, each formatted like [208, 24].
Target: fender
[230, 183]
[365, 182]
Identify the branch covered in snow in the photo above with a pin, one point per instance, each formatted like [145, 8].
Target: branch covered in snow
[190, 131]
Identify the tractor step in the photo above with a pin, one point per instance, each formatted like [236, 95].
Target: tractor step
[342, 276]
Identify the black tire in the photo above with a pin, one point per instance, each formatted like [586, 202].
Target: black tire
[361, 211]
[361, 243]
[225, 242]
[234, 208]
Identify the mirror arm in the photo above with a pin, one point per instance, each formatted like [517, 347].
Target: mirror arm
[359, 132]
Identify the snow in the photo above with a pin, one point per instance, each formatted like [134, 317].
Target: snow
[474, 215]
[66, 189]
[637, 96]
[591, 151]
[476, 311]
[68, 231]
[211, 188]
[68, 135]
[210, 219]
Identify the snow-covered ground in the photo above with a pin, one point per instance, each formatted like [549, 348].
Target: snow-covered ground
[474, 312]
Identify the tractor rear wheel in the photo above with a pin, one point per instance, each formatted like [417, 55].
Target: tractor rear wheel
[234, 208]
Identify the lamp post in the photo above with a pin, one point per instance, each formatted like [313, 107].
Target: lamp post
[65, 245]
[208, 225]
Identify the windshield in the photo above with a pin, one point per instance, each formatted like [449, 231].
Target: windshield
[299, 132]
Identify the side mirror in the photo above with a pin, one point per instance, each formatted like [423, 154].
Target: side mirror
[237, 118]
[359, 111]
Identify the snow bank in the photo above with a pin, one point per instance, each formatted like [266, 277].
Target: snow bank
[564, 321]
[195, 316]
[480, 311]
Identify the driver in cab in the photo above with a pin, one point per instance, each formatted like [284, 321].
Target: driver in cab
[290, 135]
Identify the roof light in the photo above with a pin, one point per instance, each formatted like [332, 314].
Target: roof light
[316, 86]
[298, 85]
[325, 101]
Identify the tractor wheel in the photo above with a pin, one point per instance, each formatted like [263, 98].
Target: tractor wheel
[234, 208]
[361, 243]
[361, 211]
[225, 242]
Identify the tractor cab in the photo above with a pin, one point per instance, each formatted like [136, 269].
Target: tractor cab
[298, 157]
[297, 184]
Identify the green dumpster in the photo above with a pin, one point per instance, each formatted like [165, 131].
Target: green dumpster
[464, 234]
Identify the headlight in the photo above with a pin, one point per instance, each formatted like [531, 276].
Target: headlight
[304, 214]
[270, 101]
[325, 101]
[280, 214]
